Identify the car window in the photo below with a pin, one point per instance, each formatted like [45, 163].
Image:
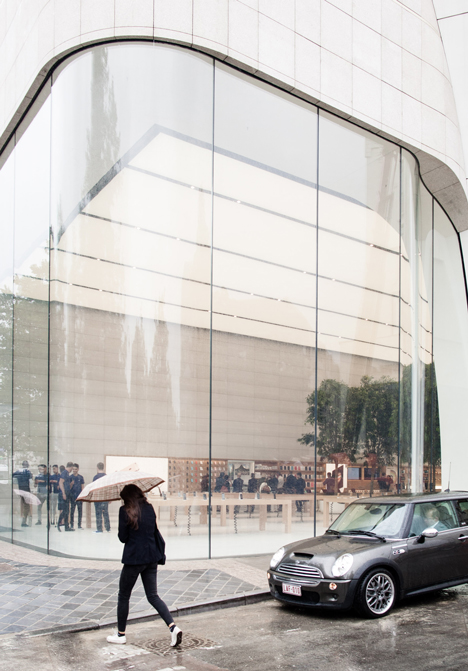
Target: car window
[438, 515]
[462, 509]
[385, 519]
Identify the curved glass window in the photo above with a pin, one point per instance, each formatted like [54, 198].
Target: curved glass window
[208, 279]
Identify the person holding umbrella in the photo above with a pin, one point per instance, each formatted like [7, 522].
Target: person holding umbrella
[142, 553]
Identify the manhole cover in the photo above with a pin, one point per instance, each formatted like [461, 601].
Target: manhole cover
[189, 642]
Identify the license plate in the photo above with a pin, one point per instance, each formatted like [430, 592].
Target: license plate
[292, 589]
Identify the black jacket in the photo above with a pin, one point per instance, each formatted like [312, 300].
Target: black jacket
[140, 544]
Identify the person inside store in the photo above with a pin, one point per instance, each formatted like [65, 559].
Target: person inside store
[64, 497]
[77, 485]
[54, 478]
[41, 482]
[300, 488]
[272, 482]
[141, 555]
[220, 480]
[328, 485]
[238, 485]
[23, 478]
[101, 508]
[290, 484]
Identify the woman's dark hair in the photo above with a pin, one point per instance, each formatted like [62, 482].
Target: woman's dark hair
[133, 499]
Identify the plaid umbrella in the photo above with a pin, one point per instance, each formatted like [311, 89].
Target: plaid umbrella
[108, 487]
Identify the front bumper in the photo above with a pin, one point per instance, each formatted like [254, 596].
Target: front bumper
[314, 594]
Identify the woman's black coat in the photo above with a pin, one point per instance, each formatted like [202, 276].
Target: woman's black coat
[140, 544]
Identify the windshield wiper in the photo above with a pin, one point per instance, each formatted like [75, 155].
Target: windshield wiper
[332, 531]
[361, 532]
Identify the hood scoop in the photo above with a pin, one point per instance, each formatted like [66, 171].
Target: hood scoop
[303, 555]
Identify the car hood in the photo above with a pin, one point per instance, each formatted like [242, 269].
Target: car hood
[323, 551]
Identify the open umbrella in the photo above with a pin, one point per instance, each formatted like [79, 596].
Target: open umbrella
[108, 487]
[28, 497]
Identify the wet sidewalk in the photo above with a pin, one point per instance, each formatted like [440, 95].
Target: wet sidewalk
[40, 592]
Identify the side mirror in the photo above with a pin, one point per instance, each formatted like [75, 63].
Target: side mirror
[430, 532]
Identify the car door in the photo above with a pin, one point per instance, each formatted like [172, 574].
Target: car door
[461, 506]
[434, 560]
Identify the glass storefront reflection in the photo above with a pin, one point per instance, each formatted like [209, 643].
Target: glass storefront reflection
[236, 295]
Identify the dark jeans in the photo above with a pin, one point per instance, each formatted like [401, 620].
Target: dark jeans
[76, 504]
[102, 511]
[65, 511]
[128, 578]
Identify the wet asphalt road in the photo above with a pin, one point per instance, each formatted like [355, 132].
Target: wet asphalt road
[427, 633]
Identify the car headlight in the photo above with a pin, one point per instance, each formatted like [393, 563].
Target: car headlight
[342, 565]
[277, 557]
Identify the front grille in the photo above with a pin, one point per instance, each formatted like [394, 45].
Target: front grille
[300, 573]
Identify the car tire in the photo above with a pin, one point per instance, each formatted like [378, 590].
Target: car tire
[376, 594]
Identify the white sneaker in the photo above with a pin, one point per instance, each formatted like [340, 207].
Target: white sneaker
[115, 638]
[176, 637]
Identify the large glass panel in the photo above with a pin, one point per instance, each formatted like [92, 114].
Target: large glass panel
[450, 351]
[130, 284]
[416, 329]
[264, 293]
[31, 330]
[358, 317]
[6, 345]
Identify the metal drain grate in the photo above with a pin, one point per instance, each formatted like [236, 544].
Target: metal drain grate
[189, 642]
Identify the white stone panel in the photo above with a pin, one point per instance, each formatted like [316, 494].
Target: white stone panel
[336, 31]
[391, 108]
[391, 63]
[367, 52]
[367, 94]
[368, 12]
[336, 78]
[97, 16]
[280, 11]
[392, 15]
[308, 20]
[276, 47]
[307, 66]
[134, 17]
[67, 21]
[210, 24]
[243, 31]
[411, 75]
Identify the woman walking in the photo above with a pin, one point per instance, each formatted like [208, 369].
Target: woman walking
[137, 529]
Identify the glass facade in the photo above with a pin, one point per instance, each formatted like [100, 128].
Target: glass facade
[213, 280]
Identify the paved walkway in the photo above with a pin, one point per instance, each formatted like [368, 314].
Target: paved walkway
[39, 591]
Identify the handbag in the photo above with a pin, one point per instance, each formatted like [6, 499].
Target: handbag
[160, 546]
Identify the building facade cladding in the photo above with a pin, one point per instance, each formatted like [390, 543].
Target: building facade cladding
[203, 273]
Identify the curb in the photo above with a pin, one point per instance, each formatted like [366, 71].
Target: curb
[243, 599]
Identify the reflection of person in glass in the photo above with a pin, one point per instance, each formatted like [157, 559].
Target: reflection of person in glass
[54, 492]
[137, 529]
[41, 482]
[77, 485]
[101, 508]
[64, 497]
[23, 478]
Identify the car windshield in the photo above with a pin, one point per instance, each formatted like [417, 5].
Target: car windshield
[383, 519]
